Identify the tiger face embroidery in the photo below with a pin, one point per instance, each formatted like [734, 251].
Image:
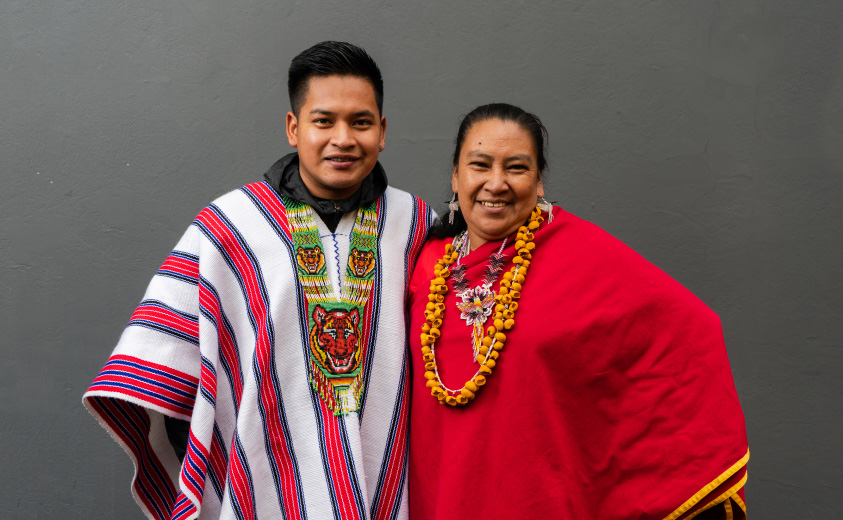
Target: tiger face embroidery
[334, 341]
[361, 263]
[310, 259]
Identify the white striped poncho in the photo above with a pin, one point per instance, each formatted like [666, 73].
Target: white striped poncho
[219, 340]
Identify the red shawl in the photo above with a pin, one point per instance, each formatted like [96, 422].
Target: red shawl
[612, 399]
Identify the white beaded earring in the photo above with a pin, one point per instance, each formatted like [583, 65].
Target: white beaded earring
[454, 206]
[546, 207]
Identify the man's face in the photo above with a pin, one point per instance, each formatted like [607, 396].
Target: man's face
[338, 133]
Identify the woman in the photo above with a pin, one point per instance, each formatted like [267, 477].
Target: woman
[557, 374]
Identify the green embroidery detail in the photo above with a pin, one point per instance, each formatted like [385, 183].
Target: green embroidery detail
[337, 349]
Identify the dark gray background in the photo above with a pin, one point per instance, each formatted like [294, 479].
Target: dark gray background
[705, 134]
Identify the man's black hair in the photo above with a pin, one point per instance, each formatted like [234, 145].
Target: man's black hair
[331, 58]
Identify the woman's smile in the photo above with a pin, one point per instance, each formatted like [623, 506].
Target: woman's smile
[492, 204]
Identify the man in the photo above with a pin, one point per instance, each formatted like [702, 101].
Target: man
[276, 328]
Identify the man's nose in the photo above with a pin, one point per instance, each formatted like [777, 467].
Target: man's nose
[342, 136]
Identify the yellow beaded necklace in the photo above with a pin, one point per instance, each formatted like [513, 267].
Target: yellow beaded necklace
[506, 303]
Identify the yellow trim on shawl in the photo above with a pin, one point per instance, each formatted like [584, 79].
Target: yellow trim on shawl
[724, 499]
[739, 502]
[727, 505]
[699, 495]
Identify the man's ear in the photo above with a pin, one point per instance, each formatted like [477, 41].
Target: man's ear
[292, 129]
[382, 144]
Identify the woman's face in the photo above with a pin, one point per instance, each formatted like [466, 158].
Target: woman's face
[496, 180]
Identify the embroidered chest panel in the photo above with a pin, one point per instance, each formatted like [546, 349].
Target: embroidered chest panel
[336, 340]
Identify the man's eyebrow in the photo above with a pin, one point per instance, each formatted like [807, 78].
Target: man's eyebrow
[322, 111]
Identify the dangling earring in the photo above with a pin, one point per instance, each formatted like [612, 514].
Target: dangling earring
[454, 206]
[546, 207]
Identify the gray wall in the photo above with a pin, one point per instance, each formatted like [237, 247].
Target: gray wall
[705, 134]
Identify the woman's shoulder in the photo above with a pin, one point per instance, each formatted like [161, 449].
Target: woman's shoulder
[609, 260]
[432, 250]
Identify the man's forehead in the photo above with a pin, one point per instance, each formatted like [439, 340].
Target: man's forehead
[331, 93]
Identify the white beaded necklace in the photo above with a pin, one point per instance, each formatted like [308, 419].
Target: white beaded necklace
[477, 302]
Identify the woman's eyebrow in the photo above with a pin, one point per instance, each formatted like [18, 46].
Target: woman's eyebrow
[480, 155]
[520, 157]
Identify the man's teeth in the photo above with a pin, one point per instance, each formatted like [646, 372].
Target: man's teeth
[494, 204]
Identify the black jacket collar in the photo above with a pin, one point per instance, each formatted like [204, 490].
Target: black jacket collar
[285, 179]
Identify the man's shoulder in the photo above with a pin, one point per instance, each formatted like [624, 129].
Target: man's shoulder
[402, 206]
[395, 195]
[256, 192]
[238, 208]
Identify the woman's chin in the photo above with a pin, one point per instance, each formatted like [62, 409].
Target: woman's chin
[494, 226]
[479, 235]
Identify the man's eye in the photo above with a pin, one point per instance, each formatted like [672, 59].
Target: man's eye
[321, 121]
[362, 122]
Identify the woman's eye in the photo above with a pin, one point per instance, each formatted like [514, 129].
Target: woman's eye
[478, 164]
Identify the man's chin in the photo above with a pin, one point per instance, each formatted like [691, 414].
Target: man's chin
[342, 182]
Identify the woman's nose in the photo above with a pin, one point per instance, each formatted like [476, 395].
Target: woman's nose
[496, 182]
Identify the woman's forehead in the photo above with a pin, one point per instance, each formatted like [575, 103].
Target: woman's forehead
[494, 138]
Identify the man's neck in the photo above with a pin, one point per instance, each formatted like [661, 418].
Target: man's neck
[285, 178]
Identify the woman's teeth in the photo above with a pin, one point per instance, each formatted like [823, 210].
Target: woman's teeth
[494, 204]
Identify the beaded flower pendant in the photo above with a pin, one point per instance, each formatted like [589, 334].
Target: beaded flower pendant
[336, 341]
[477, 302]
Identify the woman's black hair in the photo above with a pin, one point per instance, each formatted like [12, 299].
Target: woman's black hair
[504, 112]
